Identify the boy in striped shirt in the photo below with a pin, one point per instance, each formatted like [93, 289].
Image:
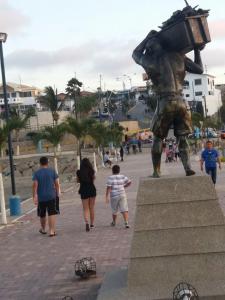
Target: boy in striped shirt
[116, 185]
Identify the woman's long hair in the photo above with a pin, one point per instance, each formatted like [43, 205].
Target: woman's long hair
[86, 171]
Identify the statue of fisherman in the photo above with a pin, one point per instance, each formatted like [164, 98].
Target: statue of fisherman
[166, 69]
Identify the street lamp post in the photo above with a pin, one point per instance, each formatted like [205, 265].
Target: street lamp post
[204, 98]
[15, 207]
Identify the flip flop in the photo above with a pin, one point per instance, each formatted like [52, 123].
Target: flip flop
[42, 232]
[52, 234]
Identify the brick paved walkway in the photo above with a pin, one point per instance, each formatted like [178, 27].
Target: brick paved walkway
[33, 266]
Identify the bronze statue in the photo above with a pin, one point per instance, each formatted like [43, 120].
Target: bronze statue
[166, 68]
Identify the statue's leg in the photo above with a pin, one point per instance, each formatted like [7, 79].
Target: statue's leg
[156, 156]
[185, 154]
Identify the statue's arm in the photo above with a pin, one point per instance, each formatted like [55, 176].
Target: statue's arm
[139, 52]
[196, 66]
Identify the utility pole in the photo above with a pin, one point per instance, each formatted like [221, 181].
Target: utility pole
[204, 98]
[100, 96]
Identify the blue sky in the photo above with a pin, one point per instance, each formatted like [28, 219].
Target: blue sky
[50, 40]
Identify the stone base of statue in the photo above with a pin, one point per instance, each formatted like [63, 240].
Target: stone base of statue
[179, 236]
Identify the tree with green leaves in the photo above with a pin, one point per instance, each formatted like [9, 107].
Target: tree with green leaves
[197, 118]
[54, 135]
[51, 102]
[73, 91]
[35, 136]
[80, 129]
[125, 106]
[18, 122]
[85, 105]
[99, 132]
[115, 132]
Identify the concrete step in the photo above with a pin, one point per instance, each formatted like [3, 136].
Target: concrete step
[176, 215]
[192, 240]
[168, 190]
[159, 275]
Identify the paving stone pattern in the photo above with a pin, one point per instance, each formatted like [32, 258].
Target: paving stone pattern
[37, 267]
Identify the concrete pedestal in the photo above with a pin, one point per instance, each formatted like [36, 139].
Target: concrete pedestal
[179, 235]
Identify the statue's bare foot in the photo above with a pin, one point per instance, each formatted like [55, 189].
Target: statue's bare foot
[190, 172]
[155, 175]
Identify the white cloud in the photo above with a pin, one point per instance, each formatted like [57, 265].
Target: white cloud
[12, 20]
[94, 56]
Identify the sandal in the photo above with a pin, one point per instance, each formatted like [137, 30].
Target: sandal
[42, 231]
[52, 234]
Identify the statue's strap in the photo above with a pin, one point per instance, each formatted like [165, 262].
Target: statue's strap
[171, 96]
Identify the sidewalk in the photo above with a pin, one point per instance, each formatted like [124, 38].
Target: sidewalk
[37, 267]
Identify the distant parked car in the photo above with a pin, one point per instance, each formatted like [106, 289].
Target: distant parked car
[222, 134]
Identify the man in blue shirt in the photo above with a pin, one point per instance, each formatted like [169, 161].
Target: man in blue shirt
[45, 195]
[211, 157]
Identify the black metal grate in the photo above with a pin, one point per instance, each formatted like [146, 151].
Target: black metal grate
[185, 291]
[85, 267]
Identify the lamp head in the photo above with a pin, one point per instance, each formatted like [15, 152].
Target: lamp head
[3, 37]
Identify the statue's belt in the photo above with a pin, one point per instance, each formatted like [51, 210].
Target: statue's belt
[170, 96]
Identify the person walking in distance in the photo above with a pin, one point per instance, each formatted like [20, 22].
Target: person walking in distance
[210, 157]
[116, 185]
[106, 159]
[46, 195]
[87, 191]
[121, 152]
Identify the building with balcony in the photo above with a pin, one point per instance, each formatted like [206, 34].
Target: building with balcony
[201, 89]
[20, 95]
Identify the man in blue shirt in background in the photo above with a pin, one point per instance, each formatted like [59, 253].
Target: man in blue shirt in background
[45, 195]
[211, 157]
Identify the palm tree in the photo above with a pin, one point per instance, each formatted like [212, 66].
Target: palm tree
[85, 105]
[80, 129]
[115, 132]
[51, 101]
[54, 135]
[35, 136]
[18, 122]
[100, 134]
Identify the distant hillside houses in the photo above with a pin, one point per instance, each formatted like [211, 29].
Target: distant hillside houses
[20, 95]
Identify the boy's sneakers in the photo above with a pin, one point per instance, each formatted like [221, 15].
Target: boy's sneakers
[92, 226]
[113, 224]
[127, 225]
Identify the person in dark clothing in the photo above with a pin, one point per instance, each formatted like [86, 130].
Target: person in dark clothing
[87, 191]
[128, 148]
[134, 148]
[139, 145]
[46, 195]
[121, 153]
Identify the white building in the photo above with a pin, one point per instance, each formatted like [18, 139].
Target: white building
[19, 95]
[201, 88]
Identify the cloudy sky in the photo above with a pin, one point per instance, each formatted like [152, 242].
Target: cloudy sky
[49, 41]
